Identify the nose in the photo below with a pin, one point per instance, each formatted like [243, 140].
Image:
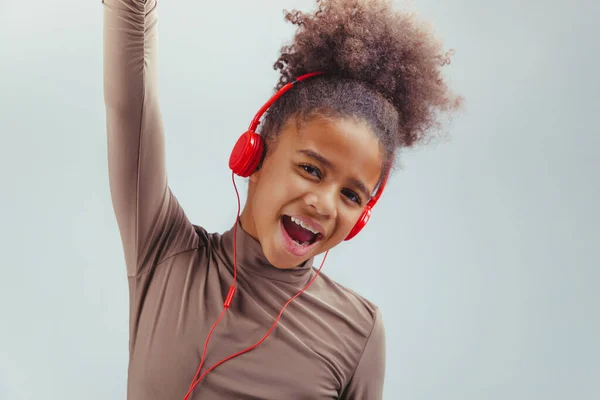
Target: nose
[322, 201]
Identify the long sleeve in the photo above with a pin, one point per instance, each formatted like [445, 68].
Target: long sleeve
[146, 211]
[367, 381]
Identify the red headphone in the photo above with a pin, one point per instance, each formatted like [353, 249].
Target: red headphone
[249, 149]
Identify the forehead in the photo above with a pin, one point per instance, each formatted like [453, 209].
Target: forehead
[348, 143]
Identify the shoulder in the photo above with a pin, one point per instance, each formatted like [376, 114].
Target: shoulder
[358, 321]
[357, 311]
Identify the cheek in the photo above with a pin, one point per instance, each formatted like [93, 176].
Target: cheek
[282, 184]
[350, 221]
[273, 190]
[345, 222]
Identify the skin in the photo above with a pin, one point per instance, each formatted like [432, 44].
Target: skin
[293, 181]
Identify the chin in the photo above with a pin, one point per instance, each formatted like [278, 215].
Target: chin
[277, 255]
[282, 261]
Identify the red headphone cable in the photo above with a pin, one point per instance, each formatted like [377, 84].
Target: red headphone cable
[227, 304]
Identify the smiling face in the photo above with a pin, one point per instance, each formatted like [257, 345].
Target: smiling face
[312, 187]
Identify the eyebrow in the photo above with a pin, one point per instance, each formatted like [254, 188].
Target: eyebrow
[328, 164]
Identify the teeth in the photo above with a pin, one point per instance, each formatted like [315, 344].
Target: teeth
[297, 221]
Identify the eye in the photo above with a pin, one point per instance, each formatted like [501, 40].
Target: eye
[350, 195]
[311, 170]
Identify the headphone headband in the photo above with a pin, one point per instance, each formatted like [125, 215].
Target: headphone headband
[273, 99]
[373, 200]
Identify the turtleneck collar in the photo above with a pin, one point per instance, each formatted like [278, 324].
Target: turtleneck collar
[251, 258]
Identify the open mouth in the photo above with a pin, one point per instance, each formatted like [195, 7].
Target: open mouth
[299, 232]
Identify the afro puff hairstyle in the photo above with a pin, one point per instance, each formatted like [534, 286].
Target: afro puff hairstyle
[381, 65]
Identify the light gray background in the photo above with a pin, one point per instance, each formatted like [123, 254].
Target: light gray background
[483, 253]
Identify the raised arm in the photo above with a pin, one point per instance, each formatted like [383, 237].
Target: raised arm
[136, 153]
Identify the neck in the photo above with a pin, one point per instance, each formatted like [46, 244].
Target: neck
[247, 222]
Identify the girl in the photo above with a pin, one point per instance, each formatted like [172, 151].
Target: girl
[358, 82]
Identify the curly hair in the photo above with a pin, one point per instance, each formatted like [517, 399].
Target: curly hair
[381, 65]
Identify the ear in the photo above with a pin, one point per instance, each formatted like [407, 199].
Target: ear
[255, 177]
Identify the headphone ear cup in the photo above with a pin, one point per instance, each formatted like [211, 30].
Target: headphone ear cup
[360, 224]
[246, 154]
